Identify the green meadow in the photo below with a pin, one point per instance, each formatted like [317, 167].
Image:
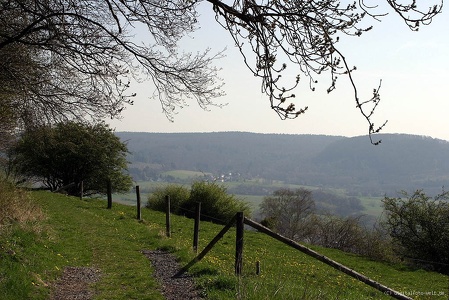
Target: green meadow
[84, 233]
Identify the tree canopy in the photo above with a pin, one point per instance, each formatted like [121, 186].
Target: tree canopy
[70, 153]
[419, 227]
[68, 59]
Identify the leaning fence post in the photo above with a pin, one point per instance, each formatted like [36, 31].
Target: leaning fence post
[139, 214]
[109, 191]
[207, 248]
[196, 228]
[386, 290]
[239, 243]
[167, 216]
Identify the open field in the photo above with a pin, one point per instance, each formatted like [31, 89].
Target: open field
[372, 205]
[185, 174]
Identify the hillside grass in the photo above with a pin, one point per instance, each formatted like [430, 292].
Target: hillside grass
[85, 233]
[78, 233]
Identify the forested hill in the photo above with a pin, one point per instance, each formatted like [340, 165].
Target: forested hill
[400, 162]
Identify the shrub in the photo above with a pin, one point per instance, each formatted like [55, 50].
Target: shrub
[178, 196]
[216, 204]
[290, 213]
[347, 234]
[377, 245]
[337, 232]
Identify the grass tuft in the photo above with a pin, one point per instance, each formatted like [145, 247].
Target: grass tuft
[16, 206]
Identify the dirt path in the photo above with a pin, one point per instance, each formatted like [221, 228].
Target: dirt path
[74, 284]
[165, 266]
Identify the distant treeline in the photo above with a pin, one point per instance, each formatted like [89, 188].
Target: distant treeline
[400, 162]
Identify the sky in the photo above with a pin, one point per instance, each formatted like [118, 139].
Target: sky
[413, 67]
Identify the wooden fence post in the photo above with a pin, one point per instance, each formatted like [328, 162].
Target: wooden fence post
[109, 191]
[167, 216]
[239, 243]
[139, 214]
[81, 190]
[196, 228]
[257, 267]
[207, 248]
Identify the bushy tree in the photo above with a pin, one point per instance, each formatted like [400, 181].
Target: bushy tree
[419, 227]
[287, 211]
[70, 153]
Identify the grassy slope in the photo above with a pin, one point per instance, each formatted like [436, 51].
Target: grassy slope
[85, 233]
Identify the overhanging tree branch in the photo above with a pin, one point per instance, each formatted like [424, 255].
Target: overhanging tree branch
[273, 34]
[84, 55]
[87, 57]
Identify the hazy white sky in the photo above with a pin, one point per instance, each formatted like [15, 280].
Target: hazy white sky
[413, 66]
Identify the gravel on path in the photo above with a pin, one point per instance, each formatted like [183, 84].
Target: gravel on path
[173, 288]
[74, 284]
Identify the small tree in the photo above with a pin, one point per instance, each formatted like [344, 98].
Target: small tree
[70, 153]
[287, 211]
[419, 227]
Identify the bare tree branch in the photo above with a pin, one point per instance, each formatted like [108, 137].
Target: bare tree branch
[82, 55]
[274, 34]
[86, 57]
